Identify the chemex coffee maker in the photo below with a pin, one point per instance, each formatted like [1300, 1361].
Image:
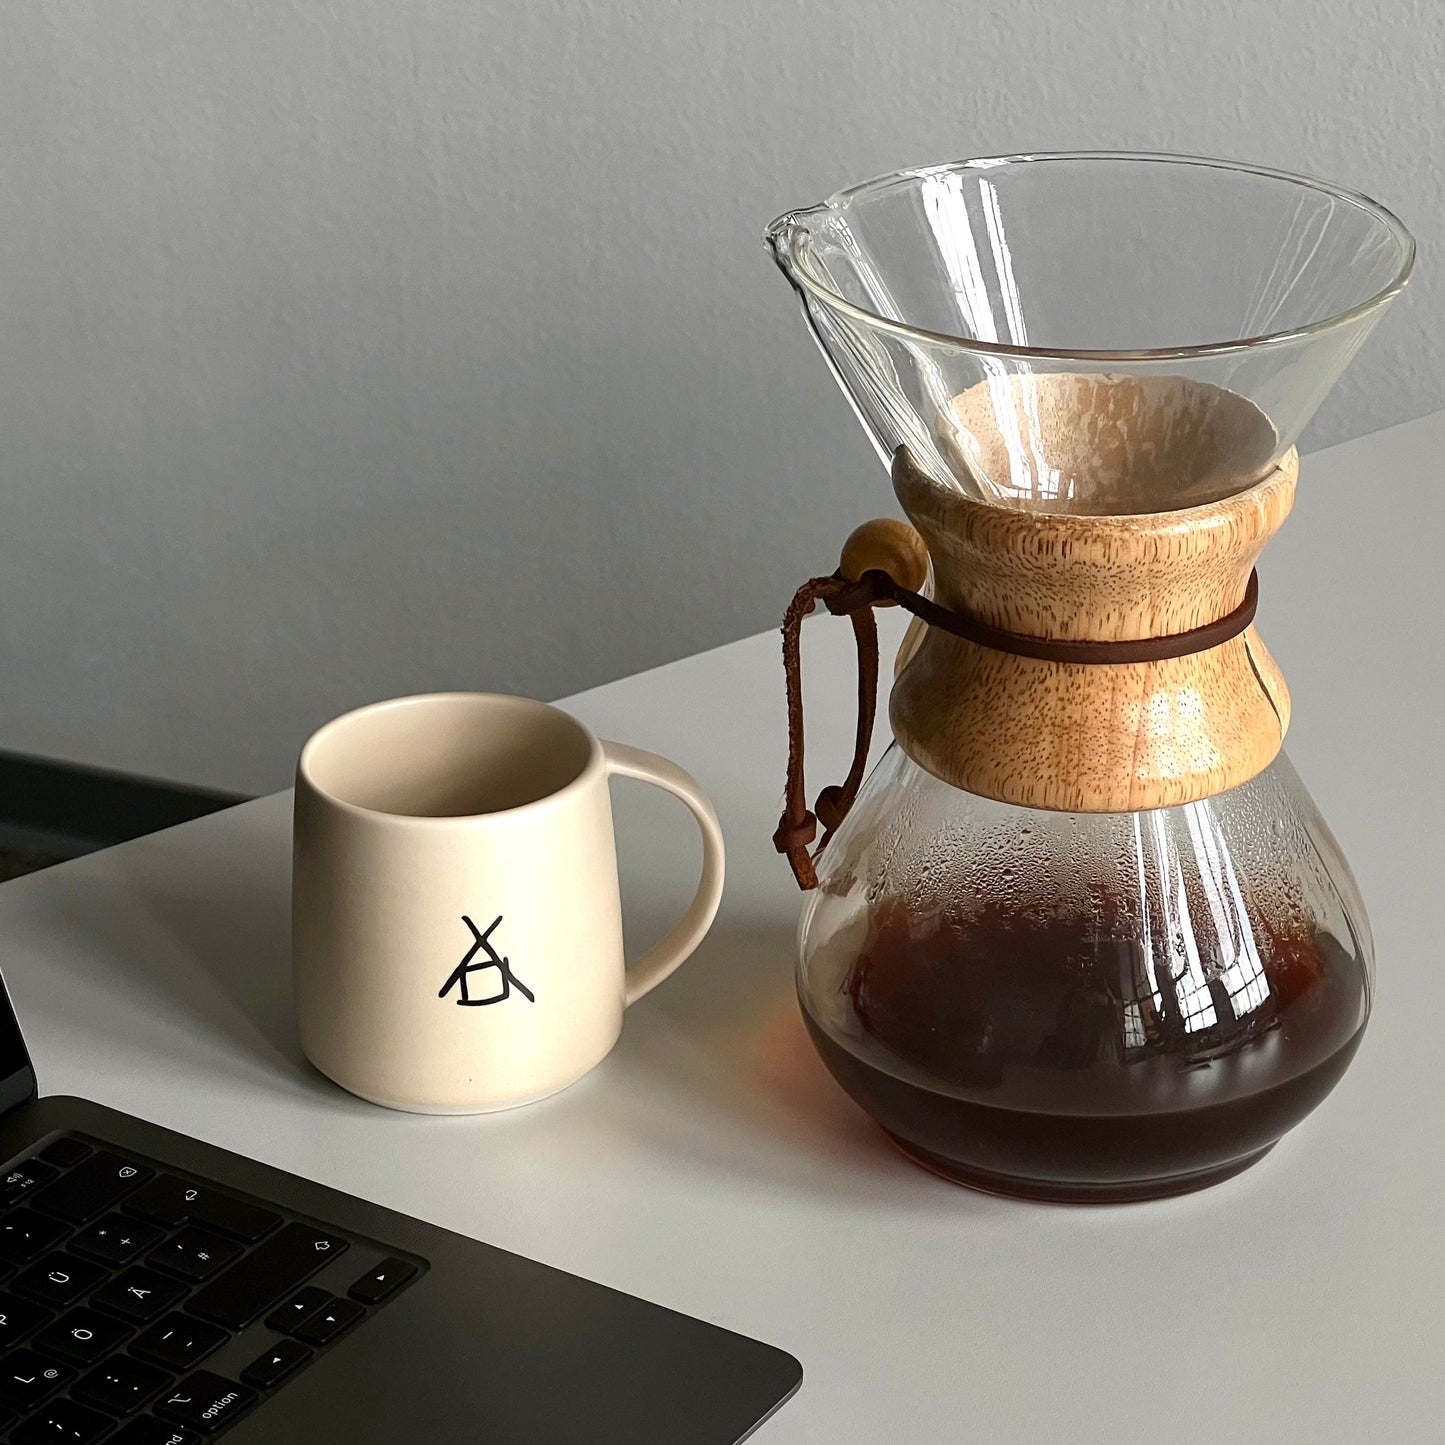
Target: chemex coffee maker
[1081, 934]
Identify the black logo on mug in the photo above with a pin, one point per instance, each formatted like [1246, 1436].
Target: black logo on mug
[459, 974]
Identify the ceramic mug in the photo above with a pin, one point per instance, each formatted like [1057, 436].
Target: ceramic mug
[456, 922]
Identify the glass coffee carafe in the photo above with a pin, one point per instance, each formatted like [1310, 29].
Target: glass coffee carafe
[1082, 935]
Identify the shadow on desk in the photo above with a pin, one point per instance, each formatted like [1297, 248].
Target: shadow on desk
[207, 944]
[724, 1040]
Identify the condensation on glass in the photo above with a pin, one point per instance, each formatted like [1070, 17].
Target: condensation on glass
[1087, 1005]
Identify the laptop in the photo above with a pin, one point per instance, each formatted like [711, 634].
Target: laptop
[155, 1290]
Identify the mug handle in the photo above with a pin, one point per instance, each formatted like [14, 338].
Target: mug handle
[684, 936]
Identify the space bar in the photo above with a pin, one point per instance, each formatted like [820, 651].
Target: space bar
[261, 1278]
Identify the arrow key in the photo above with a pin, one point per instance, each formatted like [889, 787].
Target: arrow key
[271, 1367]
[384, 1280]
[297, 1310]
[329, 1322]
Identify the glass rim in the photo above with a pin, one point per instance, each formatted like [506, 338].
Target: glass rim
[786, 231]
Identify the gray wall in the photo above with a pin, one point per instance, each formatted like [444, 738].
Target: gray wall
[355, 348]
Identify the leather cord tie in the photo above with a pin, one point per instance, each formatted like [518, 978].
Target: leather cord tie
[798, 826]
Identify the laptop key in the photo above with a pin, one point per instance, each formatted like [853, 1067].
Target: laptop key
[93, 1186]
[122, 1385]
[139, 1294]
[58, 1279]
[206, 1402]
[27, 1378]
[252, 1285]
[114, 1239]
[233, 1216]
[146, 1431]
[163, 1199]
[63, 1421]
[23, 1178]
[178, 1342]
[17, 1318]
[383, 1281]
[24, 1234]
[272, 1366]
[297, 1310]
[172, 1201]
[83, 1335]
[64, 1152]
[327, 1323]
[193, 1254]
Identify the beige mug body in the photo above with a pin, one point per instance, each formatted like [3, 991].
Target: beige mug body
[456, 920]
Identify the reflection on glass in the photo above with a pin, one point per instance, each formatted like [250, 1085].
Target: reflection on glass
[1011, 274]
[1081, 1003]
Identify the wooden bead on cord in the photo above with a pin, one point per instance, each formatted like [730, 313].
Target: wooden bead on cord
[886, 545]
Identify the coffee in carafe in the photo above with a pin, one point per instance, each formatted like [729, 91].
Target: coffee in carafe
[1081, 934]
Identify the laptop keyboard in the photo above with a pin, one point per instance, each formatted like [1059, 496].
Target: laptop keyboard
[119, 1278]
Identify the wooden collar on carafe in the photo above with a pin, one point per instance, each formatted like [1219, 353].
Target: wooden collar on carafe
[974, 698]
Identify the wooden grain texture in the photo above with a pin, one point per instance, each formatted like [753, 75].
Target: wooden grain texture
[890, 546]
[1091, 738]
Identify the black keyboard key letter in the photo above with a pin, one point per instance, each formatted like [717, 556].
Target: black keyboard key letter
[58, 1279]
[205, 1402]
[139, 1294]
[26, 1378]
[84, 1335]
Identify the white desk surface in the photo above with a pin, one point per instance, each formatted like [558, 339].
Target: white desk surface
[712, 1165]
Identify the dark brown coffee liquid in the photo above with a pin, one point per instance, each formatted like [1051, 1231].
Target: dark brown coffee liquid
[1054, 1058]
